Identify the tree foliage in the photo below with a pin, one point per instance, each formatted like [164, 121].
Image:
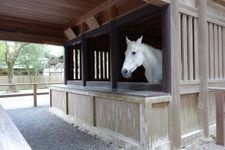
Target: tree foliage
[32, 57]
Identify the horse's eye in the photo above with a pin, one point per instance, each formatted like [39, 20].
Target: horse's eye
[133, 53]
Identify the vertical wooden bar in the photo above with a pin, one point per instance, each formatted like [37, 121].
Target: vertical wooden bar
[108, 65]
[101, 66]
[223, 49]
[114, 48]
[190, 49]
[220, 53]
[181, 61]
[50, 94]
[216, 55]
[184, 47]
[203, 102]
[68, 61]
[220, 137]
[75, 63]
[175, 74]
[196, 49]
[84, 58]
[94, 111]
[105, 55]
[67, 103]
[166, 44]
[79, 64]
[211, 54]
[97, 65]
[35, 94]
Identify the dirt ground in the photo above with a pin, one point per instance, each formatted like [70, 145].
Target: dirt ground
[204, 144]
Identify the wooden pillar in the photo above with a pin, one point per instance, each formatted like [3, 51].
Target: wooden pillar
[68, 64]
[35, 94]
[84, 59]
[114, 48]
[203, 102]
[175, 123]
[166, 48]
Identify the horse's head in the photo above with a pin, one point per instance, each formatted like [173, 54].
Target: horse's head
[133, 57]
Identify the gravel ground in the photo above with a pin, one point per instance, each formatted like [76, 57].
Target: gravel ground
[44, 131]
[204, 144]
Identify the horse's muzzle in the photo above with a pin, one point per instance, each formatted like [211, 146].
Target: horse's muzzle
[126, 73]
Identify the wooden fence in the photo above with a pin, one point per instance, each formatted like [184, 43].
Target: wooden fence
[33, 93]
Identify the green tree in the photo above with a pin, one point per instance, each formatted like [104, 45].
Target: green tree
[11, 53]
[32, 57]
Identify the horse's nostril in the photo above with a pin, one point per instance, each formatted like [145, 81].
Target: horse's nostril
[124, 71]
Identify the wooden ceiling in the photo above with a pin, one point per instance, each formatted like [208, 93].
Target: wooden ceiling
[44, 21]
[41, 19]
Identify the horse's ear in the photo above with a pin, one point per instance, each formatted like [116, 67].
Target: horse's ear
[139, 40]
[127, 40]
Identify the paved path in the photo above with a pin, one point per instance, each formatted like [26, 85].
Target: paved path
[44, 131]
[23, 101]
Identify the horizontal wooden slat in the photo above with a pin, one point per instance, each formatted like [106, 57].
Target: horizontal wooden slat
[21, 37]
[22, 94]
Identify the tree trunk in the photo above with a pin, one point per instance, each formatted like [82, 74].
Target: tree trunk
[12, 88]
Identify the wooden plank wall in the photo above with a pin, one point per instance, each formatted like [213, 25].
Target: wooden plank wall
[202, 63]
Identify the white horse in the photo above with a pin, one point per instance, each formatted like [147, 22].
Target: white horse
[138, 54]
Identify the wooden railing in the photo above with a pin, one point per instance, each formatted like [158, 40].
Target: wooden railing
[33, 92]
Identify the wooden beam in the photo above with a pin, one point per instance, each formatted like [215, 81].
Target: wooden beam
[84, 58]
[93, 12]
[166, 49]
[221, 2]
[22, 37]
[69, 34]
[114, 48]
[83, 28]
[113, 12]
[68, 64]
[175, 122]
[158, 3]
[203, 102]
[92, 23]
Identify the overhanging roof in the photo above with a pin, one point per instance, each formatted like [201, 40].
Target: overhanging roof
[44, 21]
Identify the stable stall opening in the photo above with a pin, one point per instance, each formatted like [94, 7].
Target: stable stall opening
[150, 28]
[99, 61]
[102, 50]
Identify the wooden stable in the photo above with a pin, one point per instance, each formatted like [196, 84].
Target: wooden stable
[131, 113]
[136, 115]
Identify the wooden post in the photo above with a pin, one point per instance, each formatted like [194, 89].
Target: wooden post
[68, 64]
[166, 48]
[50, 94]
[220, 136]
[35, 94]
[203, 102]
[84, 58]
[175, 122]
[114, 48]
